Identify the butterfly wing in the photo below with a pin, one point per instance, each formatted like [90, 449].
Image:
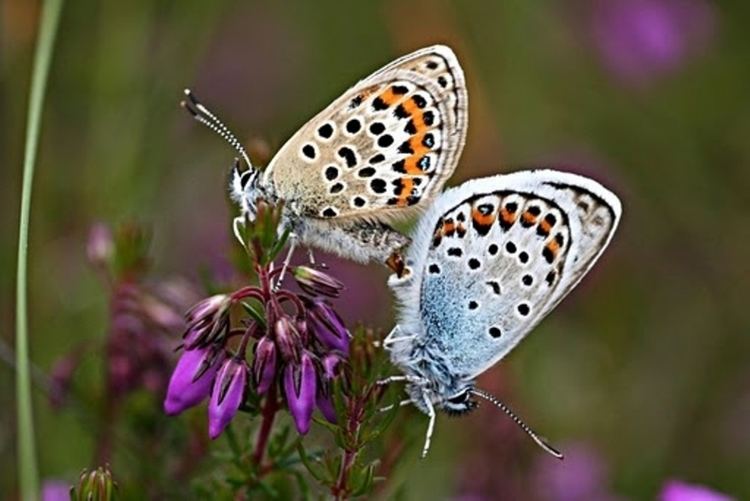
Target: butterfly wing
[388, 143]
[494, 256]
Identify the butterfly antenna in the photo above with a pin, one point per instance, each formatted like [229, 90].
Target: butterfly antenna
[536, 438]
[204, 116]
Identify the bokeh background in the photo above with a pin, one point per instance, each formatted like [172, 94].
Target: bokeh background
[641, 376]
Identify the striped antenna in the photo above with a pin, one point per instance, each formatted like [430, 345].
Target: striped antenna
[204, 116]
[536, 438]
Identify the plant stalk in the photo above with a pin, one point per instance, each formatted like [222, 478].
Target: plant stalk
[28, 475]
[269, 413]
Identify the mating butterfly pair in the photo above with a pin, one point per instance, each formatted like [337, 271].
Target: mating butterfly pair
[488, 259]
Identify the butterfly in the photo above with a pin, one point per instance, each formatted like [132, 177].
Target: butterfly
[377, 153]
[489, 260]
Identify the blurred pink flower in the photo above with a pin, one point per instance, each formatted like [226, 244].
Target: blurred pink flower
[55, 490]
[677, 490]
[583, 475]
[641, 40]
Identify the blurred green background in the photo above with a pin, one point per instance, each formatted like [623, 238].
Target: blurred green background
[641, 375]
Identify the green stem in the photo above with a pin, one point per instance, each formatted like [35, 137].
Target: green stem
[28, 475]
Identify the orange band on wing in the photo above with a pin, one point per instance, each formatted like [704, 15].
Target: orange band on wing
[482, 219]
[507, 217]
[528, 218]
[406, 186]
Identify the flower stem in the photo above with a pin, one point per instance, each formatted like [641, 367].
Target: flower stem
[349, 454]
[28, 474]
[269, 413]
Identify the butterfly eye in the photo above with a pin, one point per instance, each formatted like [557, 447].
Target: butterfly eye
[461, 398]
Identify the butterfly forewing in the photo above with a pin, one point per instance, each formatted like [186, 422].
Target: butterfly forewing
[494, 256]
[388, 143]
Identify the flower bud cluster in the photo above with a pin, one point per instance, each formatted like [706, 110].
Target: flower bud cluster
[296, 349]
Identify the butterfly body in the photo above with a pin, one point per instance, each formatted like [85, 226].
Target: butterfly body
[489, 260]
[378, 153]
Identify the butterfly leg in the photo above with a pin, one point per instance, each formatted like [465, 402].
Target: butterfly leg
[402, 403]
[430, 425]
[237, 223]
[403, 377]
[392, 339]
[292, 245]
[310, 256]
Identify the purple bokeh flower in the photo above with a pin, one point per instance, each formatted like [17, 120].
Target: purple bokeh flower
[677, 490]
[227, 396]
[55, 490]
[100, 245]
[583, 475]
[299, 387]
[641, 40]
[192, 378]
[264, 364]
[326, 325]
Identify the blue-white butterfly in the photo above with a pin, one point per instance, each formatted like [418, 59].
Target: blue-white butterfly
[488, 261]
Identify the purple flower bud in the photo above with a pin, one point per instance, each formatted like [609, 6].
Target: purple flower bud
[206, 320]
[299, 386]
[287, 339]
[324, 403]
[227, 396]
[330, 365]
[327, 325]
[264, 365]
[316, 282]
[192, 378]
[100, 245]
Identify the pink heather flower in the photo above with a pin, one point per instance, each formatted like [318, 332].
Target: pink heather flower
[227, 396]
[192, 378]
[299, 387]
[315, 282]
[264, 365]
[326, 325]
[206, 320]
[676, 490]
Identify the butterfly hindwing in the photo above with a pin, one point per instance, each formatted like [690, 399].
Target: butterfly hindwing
[492, 257]
[388, 143]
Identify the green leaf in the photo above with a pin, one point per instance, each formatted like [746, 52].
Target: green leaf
[316, 470]
[333, 428]
[364, 482]
[255, 313]
[279, 245]
[381, 425]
